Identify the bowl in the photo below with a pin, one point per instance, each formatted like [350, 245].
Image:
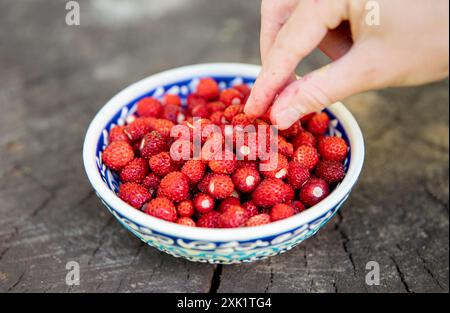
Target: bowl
[221, 246]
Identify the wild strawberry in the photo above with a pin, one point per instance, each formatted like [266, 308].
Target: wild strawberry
[117, 134]
[297, 174]
[314, 191]
[203, 203]
[280, 212]
[306, 156]
[284, 147]
[247, 163]
[318, 124]
[228, 202]
[291, 131]
[270, 192]
[231, 96]
[135, 171]
[171, 99]
[137, 129]
[218, 118]
[233, 110]
[246, 179]
[151, 182]
[305, 119]
[162, 164]
[171, 112]
[134, 194]
[333, 148]
[162, 208]
[203, 184]
[330, 171]
[186, 221]
[194, 170]
[208, 89]
[304, 138]
[152, 144]
[149, 107]
[298, 206]
[215, 106]
[242, 120]
[258, 220]
[174, 186]
[222, 165]
[117, 155]
[250, 208]
[209, 220]
[220, 186]
[193, 100]
[277, 167]
[244, 90]
[233, 217]
[200, 111]
[186, 208]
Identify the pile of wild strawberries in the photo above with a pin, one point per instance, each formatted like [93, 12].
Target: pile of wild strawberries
[221, 192]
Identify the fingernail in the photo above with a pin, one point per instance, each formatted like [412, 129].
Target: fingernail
[286, 117]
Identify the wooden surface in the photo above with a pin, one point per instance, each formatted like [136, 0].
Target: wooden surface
[53, 79]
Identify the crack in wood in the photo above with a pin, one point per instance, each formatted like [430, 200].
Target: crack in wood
[216, 279]
[345, 240]
[17, 282]
[401, 275]
[428, 270]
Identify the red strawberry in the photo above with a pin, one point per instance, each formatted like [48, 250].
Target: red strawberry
[246, 163]
[216, 106]
[250, 208]
[244, 90]
[228, 202]
[162, 164]
[297, 174]
[152, 144]
[149, 107]
[117, 155]
[333, 148]
[306, 156]
[172, 112]
[208, 89]
[305, 119]
[170, 99]
[174, 186]
[117, 134]
[270, 192]
[304, 138]
[280, 212]
[151, 182]
[185, 208]
[203, 184]
[233, 217]
[246, 179]
[200, 111]
[284, 147]
[223, 165]
[162, 208]
[194, 170]
[330, 171]
[258, 220]
[203, 203]
[134, 194]
[231, 96]
[233, 110]
[186, 221]
[220, 186]
[162, 126]
[137, 129]
[135, 171]
[318, 124]
[298, 206]
[209, 220]
[314, 191]
[279, 167]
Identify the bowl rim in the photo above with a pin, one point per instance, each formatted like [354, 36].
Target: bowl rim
[141, 87]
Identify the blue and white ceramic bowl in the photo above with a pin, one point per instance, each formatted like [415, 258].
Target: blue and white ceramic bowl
[211, 245]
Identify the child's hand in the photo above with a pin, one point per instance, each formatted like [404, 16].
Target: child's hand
[409, 46]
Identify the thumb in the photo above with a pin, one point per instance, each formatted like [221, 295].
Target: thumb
[355, 72]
